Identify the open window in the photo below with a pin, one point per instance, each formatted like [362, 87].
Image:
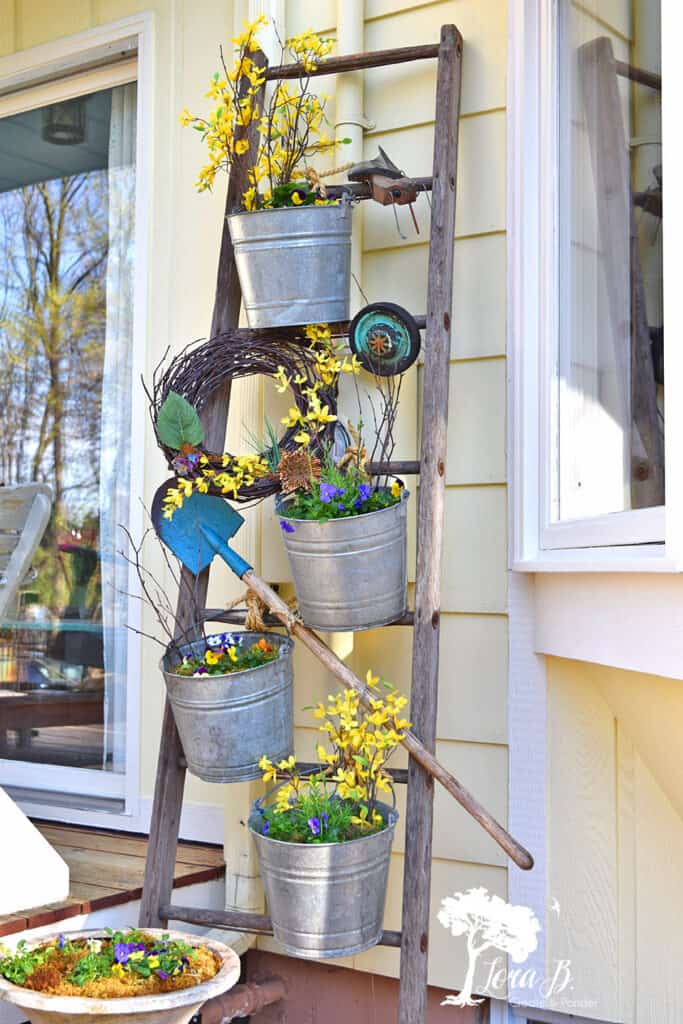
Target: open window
[588, 416]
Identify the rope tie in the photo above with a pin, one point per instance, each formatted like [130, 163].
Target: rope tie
[315, 177]
[256, 610]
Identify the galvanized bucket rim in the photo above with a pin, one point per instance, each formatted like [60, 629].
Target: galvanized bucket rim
[285, 647]
[335, 207]
[280, 503]
[391, 818]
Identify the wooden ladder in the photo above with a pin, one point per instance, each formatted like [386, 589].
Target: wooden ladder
[157, 908]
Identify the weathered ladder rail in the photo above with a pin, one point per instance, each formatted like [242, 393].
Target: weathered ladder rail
[157, 907]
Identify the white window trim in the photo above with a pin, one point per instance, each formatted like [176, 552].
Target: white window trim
[644, 540]
[95, 59]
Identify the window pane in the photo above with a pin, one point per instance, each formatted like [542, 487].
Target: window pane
[610, 362]
[67, 185]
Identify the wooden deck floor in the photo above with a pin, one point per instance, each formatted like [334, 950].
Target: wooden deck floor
[106, 870]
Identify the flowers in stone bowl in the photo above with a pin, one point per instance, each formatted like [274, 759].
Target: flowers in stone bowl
[116, 965]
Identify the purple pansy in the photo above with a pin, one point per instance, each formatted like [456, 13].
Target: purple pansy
[315, 826]
[364, 492]
[187, 465]
[342, 508]
[287, 527]
[327, 492]
[61, 941]
[122, 950]
[163, 975]
[266, 828]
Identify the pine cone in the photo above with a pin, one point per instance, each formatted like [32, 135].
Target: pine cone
[297, 471]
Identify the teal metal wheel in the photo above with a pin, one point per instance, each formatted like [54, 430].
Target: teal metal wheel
[385, 338]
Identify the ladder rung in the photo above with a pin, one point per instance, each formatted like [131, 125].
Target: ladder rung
[399, 775]
[240, 921]
[355, 62]
[237, 616]
[410, 467]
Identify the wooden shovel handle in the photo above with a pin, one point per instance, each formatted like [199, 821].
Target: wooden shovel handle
[515, 850]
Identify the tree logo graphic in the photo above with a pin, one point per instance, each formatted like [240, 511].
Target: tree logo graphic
[489, 923]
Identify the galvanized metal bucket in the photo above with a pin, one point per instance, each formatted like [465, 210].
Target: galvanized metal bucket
[350, 574]
[226, 722]
[326, 900]
[294, 264]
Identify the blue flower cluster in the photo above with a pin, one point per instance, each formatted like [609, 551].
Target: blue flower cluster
[328, 493]
[317, 825]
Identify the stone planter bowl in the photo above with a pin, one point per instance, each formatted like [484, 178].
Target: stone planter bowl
[168, 1008]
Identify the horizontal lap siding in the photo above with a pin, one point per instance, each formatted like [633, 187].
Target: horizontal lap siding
[472, 724]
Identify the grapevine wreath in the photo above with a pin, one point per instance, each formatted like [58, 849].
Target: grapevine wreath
[306, 361]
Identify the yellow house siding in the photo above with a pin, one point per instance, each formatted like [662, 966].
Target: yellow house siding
[399, 102]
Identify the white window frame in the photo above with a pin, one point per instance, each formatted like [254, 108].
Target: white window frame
[99, 58]
[640, 540]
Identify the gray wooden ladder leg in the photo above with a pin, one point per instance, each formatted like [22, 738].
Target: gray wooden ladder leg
[419, 811]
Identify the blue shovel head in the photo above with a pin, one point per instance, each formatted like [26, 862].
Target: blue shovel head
[188, 533]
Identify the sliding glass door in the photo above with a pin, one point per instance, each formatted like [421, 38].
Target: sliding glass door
[67, 198]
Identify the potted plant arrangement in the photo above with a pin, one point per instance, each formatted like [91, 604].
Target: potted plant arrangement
[229, 691]
[345, 532]
[290, 234]
[116, 977]
[324, 844]
[346, 540]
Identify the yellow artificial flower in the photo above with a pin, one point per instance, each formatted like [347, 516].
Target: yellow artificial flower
[268, 768]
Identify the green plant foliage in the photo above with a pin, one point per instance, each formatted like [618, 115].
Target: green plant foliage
[317, 817]
[178, 423]
[19, 966]
[339, 494]
[226, 653]
[119, 954]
